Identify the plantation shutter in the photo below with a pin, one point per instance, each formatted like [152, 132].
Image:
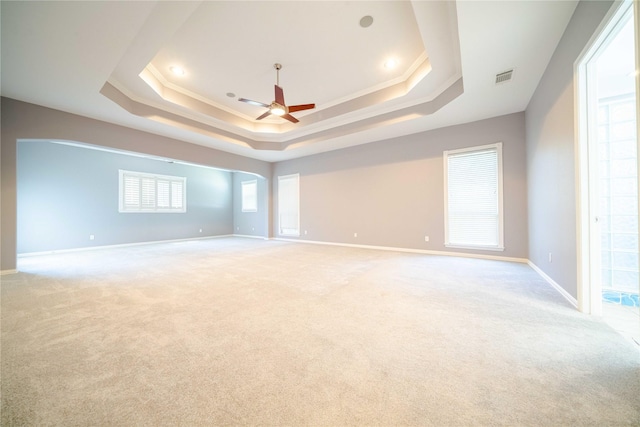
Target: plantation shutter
[148, 193]
[474, 197]
[131, 190]
[177, 194]
[163, 194]
[143, 192]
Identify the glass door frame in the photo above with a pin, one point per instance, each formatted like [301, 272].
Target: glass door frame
[587, 203]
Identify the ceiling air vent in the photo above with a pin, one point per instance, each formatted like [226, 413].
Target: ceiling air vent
[504, 77]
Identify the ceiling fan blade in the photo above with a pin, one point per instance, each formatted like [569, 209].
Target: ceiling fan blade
[301, 107]
[290, 118]
[267, 113]
[279, 95]
[256, 103]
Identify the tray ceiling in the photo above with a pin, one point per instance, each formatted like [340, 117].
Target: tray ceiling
[113, 61]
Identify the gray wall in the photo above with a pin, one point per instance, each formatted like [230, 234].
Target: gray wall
[250, 223]
[392, 193]
[551, 155]
[21, 120]
[389, 192]
[67, 193]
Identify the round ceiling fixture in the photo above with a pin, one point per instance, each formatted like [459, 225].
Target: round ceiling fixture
[178, 71]
[231, 94]
[390, 64]
[366, 21]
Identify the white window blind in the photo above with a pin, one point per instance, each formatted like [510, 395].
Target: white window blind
[148, 193]
[143, 192]
[473, 197]
[250, 196]
[129, 192]
[163, 193]
[179, 194]
[289, 205]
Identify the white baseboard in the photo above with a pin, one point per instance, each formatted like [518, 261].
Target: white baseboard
[123, 245]
[251, 237]
[4, 272]
[553, 283]
[409, 250]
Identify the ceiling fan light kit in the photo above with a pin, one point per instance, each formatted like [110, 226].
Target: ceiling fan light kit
[277, 109]
[278, 106]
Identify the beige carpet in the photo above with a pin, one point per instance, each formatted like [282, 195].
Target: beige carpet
[249, 332]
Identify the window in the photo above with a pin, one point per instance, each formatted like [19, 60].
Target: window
[473, 197]
[250, 196]
[618, 189]
[289, 205]
[143, 192]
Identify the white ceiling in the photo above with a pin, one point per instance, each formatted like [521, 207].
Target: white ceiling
[110, 61]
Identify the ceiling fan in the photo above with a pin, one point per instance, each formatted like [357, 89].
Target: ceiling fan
[278, 107]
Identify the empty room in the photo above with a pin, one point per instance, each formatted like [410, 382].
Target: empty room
[322, 213]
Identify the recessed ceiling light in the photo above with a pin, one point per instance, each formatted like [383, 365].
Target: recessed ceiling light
[390, 64]
[178, 71]
[231, 94]
[366, 21]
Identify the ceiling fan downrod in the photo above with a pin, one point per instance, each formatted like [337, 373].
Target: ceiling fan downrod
[278, 67]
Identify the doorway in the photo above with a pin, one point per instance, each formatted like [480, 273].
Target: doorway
[608, 160]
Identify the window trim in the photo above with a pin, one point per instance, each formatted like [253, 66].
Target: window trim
[488, 147]
[243, 184]
[155, 177]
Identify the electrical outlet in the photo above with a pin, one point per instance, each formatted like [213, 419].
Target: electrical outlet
[355, 234]
[426, 238]
[305, 232]
[201, 230]
[550, 257]
[238, 228]
[91, 237]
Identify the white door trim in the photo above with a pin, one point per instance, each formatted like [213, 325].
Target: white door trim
[588, 264]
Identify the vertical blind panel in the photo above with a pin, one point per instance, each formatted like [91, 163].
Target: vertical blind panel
[472, 194]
